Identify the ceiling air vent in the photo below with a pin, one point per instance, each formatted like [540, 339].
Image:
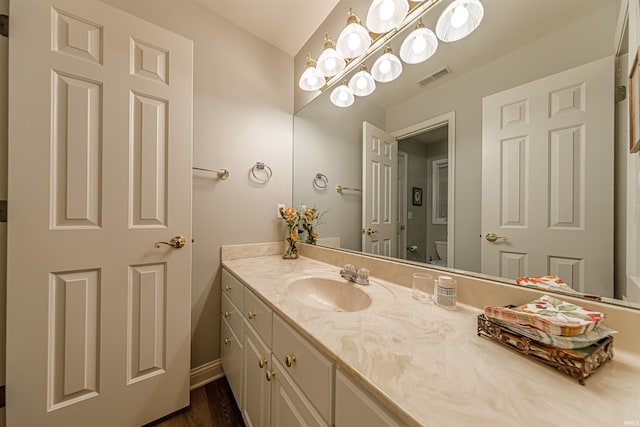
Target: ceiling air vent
[440, 73]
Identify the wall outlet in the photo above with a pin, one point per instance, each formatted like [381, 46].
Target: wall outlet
[280, 206]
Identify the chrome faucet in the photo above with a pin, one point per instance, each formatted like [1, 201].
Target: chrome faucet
[361, 277]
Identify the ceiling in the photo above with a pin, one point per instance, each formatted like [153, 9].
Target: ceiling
[286, 24]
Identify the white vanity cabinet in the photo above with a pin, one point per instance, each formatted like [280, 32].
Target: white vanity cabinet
[280, 379]
[231, 335]
[355, 407]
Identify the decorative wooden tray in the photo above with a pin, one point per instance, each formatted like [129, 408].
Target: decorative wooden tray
[577, 363]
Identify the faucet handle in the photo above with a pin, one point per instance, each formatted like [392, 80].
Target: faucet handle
[363, 274]
[350, 268]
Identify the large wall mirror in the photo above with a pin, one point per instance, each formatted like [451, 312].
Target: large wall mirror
[510, 152]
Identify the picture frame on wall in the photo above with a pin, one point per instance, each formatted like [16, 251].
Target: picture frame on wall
[416, 199]
[634, 106]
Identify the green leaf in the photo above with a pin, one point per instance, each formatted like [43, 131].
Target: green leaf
[567, 307]
[547, 313]
[576, 315]
[554, 302]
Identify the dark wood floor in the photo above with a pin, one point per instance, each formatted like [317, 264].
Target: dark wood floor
[211, 406]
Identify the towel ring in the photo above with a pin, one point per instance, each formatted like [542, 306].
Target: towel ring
[320, 181]
[268, 173]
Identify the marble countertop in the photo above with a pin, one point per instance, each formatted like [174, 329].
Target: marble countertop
[431, 368]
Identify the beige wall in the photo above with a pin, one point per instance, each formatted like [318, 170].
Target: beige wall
[243, 105]
[463, 94]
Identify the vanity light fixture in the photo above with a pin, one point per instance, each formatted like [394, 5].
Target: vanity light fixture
[342, 96]
[384, 15]
[386, 68]
[459, 19]
[311, 79]
[354, 40]
[419, 45]
[330, 61]
[362, 83]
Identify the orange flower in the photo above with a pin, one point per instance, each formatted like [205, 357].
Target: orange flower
[310, 213]
[289, 214]
[314, 235]
[293, 237]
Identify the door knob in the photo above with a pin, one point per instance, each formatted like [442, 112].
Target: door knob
[492, 237]
[371, 232]
[176, 242]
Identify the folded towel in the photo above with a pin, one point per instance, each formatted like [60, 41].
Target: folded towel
[558, 341]
[553, 283]
[550, 315]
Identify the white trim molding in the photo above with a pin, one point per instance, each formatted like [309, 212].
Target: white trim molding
[206, 373]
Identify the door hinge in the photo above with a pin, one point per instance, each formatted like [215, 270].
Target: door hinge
[3, 211]
[620, 93]
[4, 25]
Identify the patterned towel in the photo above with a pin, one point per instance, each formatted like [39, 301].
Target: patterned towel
[550, 315]
[552, 283]
[558, 341]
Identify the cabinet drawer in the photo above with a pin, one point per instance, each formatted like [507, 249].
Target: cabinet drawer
[258, 315]
[310, 369]
[231, 355]
[232, 315]
[289, 407]
[233, 288]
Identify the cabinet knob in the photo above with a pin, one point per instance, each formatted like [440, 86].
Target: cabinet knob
[226, 314]
[262, 362]
[252, 314]
[227, 288]
[228, 340]
[289, 360]
[270, 375]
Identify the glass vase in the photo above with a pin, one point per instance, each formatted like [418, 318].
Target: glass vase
[291, 252]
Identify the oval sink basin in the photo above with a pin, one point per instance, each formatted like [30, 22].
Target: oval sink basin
[329, 294]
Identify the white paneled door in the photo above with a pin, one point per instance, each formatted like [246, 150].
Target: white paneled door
[379, 199]
[547, 178]
[100, 138]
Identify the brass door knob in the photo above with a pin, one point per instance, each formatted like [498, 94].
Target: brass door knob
[251, 314]
[371, 232]
[492, 237]
[289, 360]
[270, 375]
[176, 242]
[228, 340]
[262, 362]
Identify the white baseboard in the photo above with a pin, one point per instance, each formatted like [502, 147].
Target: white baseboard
[204, 374]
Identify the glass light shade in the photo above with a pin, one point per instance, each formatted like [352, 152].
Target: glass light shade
[330, 61]
[354, 40]
[418, 46]
[386, 68]
[459, 20]
[362, 83]
[342, 96]
[385, 15]
[311, 79]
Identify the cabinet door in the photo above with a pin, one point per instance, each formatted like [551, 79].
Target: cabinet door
[289, 407]
[357, 408]
[256, 407]
[231, 355]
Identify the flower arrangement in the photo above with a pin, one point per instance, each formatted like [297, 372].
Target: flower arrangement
[292, 218]
[310, 219]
